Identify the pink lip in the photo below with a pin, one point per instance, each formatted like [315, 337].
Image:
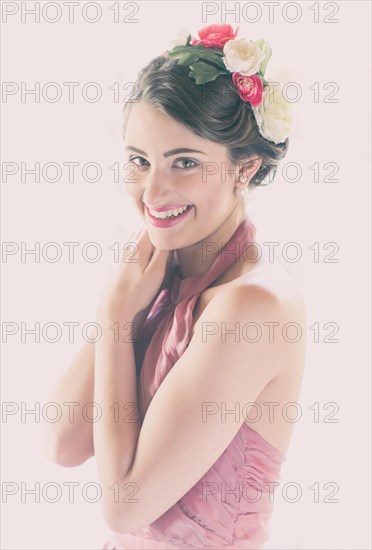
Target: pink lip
[167, 222]
[166, 207]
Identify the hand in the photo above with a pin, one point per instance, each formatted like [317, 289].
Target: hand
[135, 283]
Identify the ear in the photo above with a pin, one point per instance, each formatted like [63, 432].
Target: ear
[247, 170]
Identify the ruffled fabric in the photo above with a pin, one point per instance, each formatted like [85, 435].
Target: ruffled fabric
[231, 505]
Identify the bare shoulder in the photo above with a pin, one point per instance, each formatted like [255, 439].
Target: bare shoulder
[263, 290]
[275, 285]
[261, 286]
[268, 295]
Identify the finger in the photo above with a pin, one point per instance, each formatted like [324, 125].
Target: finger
[146, 248]
[160, 260]
[133, 242]
[135, 235]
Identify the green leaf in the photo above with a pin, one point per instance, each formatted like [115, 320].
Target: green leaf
[188, 39]
[204, 72]
[188, 55]
[210, 54]
[200, 48]
[264, 46]
[185, 55]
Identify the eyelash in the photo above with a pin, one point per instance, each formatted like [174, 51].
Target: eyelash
[195, 163]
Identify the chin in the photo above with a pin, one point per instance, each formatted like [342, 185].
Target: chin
[162, 244]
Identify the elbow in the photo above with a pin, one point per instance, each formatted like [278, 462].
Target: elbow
[63, 457]
[116, 522]
[62, 452]
[121, 519]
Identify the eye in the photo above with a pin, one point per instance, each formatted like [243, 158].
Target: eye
[188, 161]
[132, 159]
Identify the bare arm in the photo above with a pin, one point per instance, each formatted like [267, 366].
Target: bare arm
[160, 458]
[69, 442]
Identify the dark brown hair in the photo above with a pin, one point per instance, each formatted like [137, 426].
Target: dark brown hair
[213, 111]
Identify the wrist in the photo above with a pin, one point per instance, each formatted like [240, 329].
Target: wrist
[114, 310]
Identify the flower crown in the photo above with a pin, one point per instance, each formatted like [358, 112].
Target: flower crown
[218, 51]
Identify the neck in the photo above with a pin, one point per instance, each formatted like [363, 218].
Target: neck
[197, 258]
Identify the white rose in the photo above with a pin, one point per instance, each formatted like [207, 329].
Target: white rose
[243, 56]
[273, 115]
[180, 40]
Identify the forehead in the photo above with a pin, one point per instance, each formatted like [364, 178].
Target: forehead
[147, 128]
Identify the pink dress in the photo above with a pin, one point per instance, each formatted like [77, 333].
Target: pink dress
[236, 511]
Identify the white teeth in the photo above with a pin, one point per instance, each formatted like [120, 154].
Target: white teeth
[167, 213]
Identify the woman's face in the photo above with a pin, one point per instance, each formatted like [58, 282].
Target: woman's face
[161, 175]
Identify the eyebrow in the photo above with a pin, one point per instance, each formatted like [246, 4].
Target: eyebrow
[168, 153]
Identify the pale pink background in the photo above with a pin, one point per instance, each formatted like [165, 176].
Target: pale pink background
[305, 212]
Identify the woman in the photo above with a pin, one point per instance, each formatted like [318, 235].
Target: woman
[191, 436]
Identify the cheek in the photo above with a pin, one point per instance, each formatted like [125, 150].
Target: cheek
[132, 188]
[132, 180]
[216, 190]
[209, 194]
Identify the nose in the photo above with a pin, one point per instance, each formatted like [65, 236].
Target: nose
[156, 191]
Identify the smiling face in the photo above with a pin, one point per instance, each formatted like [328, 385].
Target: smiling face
[162, 174]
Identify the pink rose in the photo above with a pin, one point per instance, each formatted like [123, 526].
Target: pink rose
[249, 88]
[215, 36]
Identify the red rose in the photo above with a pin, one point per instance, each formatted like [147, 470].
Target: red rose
[215, 36]
[249, 88]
